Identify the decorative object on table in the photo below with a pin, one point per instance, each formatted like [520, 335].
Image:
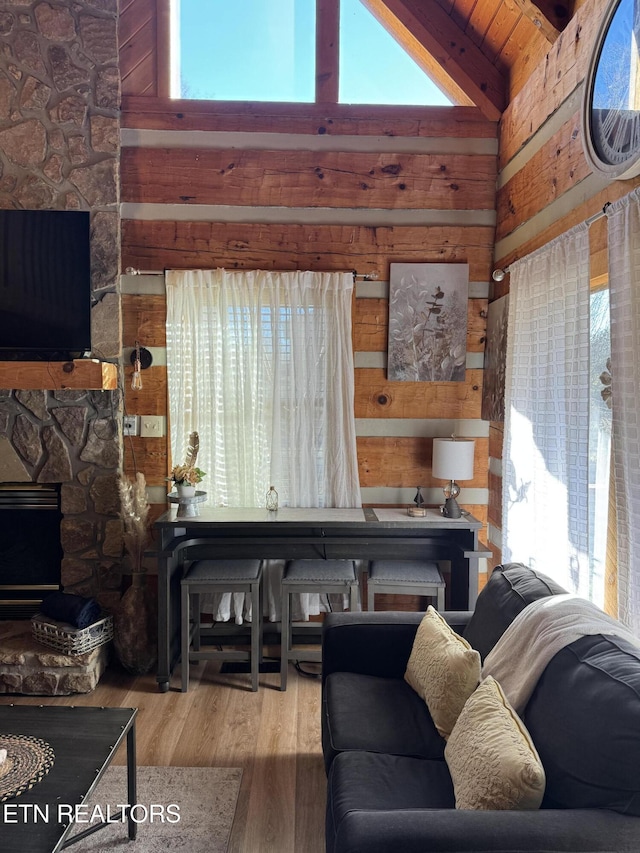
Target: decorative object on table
[74, 610]
[428, 306]
[69, 640]
[27, 762]
[187, 476]
[419, 510]
[187, 504]
[272, 499]
[186, 479]
[495, 360]
[135, 617]
[452, 460]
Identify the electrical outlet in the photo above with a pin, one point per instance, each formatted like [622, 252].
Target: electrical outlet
[151, 426]
[130, 425]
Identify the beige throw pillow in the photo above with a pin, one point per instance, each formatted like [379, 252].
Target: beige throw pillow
[443, 669]
[491, 757]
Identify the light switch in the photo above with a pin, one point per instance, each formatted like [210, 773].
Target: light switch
[151, 426]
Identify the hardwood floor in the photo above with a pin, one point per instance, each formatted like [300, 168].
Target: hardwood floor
[273, 736]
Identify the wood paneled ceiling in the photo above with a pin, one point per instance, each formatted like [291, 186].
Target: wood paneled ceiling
[469, 47]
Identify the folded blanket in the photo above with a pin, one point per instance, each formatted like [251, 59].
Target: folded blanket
[72, 609]
[537, 633]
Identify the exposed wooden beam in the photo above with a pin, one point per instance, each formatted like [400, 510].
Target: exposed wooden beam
[314, 179]
[55, 375]
[163, 47]
[158, 245]
[317, 119]
[454, 62]
[549, 16]
[327, 51]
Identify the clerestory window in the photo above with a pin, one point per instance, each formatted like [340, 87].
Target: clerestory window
[268, 51]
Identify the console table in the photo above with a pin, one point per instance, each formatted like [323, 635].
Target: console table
[309, 533]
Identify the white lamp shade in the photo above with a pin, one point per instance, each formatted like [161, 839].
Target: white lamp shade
[453, 458]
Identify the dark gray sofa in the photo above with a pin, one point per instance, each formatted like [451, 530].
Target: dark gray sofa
[389, 787]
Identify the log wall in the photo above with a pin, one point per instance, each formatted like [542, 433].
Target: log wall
[545, 186]
[320, 188]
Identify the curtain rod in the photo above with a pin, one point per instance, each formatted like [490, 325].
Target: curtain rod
[371, 276]
[499, 274]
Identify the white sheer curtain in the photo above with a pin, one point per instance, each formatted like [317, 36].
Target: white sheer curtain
[545, 460]
[624, 286]
[260, 363]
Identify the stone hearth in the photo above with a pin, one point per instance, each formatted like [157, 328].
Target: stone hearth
[30, 668]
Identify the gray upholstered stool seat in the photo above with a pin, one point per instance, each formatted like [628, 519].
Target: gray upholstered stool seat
[221, 571]
[211, 576]
[405, 577]
[311, 576]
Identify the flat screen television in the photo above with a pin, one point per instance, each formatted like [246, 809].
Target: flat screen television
[45, 284]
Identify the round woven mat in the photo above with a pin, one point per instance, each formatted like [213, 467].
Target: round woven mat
[28, 760]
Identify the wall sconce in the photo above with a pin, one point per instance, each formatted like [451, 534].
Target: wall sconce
[141, 358]
[452, 460]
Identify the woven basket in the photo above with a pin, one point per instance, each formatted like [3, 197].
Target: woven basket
[69, 640]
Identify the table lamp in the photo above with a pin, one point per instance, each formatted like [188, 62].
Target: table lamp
[452, 460]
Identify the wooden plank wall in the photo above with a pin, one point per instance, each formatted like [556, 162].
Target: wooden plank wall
[320, 188]
[545, 186]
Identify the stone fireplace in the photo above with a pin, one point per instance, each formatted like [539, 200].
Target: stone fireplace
[60, 150]
[32, 553]
[71, 439]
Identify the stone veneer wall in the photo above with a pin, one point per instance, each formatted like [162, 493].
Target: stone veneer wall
[70, 437]
[59, 149]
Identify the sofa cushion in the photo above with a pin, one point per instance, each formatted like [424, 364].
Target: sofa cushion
[584, 718]
[443, 669]
[508, 591]
[364, 781]
[364, 712]
[491, 757]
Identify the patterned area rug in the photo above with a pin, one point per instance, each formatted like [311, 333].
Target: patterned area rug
[188, 809]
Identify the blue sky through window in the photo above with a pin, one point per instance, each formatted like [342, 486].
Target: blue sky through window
[620, 57]
[264, 50]
[374, 69]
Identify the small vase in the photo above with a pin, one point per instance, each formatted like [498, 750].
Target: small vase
[185, 491]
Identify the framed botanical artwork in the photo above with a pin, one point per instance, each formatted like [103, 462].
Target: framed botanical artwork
[428, 322]
[495, 353]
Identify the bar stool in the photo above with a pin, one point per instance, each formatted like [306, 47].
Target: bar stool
[216, 576]
[405, 577]
[311, 576]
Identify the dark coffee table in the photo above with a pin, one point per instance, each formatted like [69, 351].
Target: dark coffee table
[84, 741]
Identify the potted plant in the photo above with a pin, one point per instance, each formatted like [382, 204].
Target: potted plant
[186, 478]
